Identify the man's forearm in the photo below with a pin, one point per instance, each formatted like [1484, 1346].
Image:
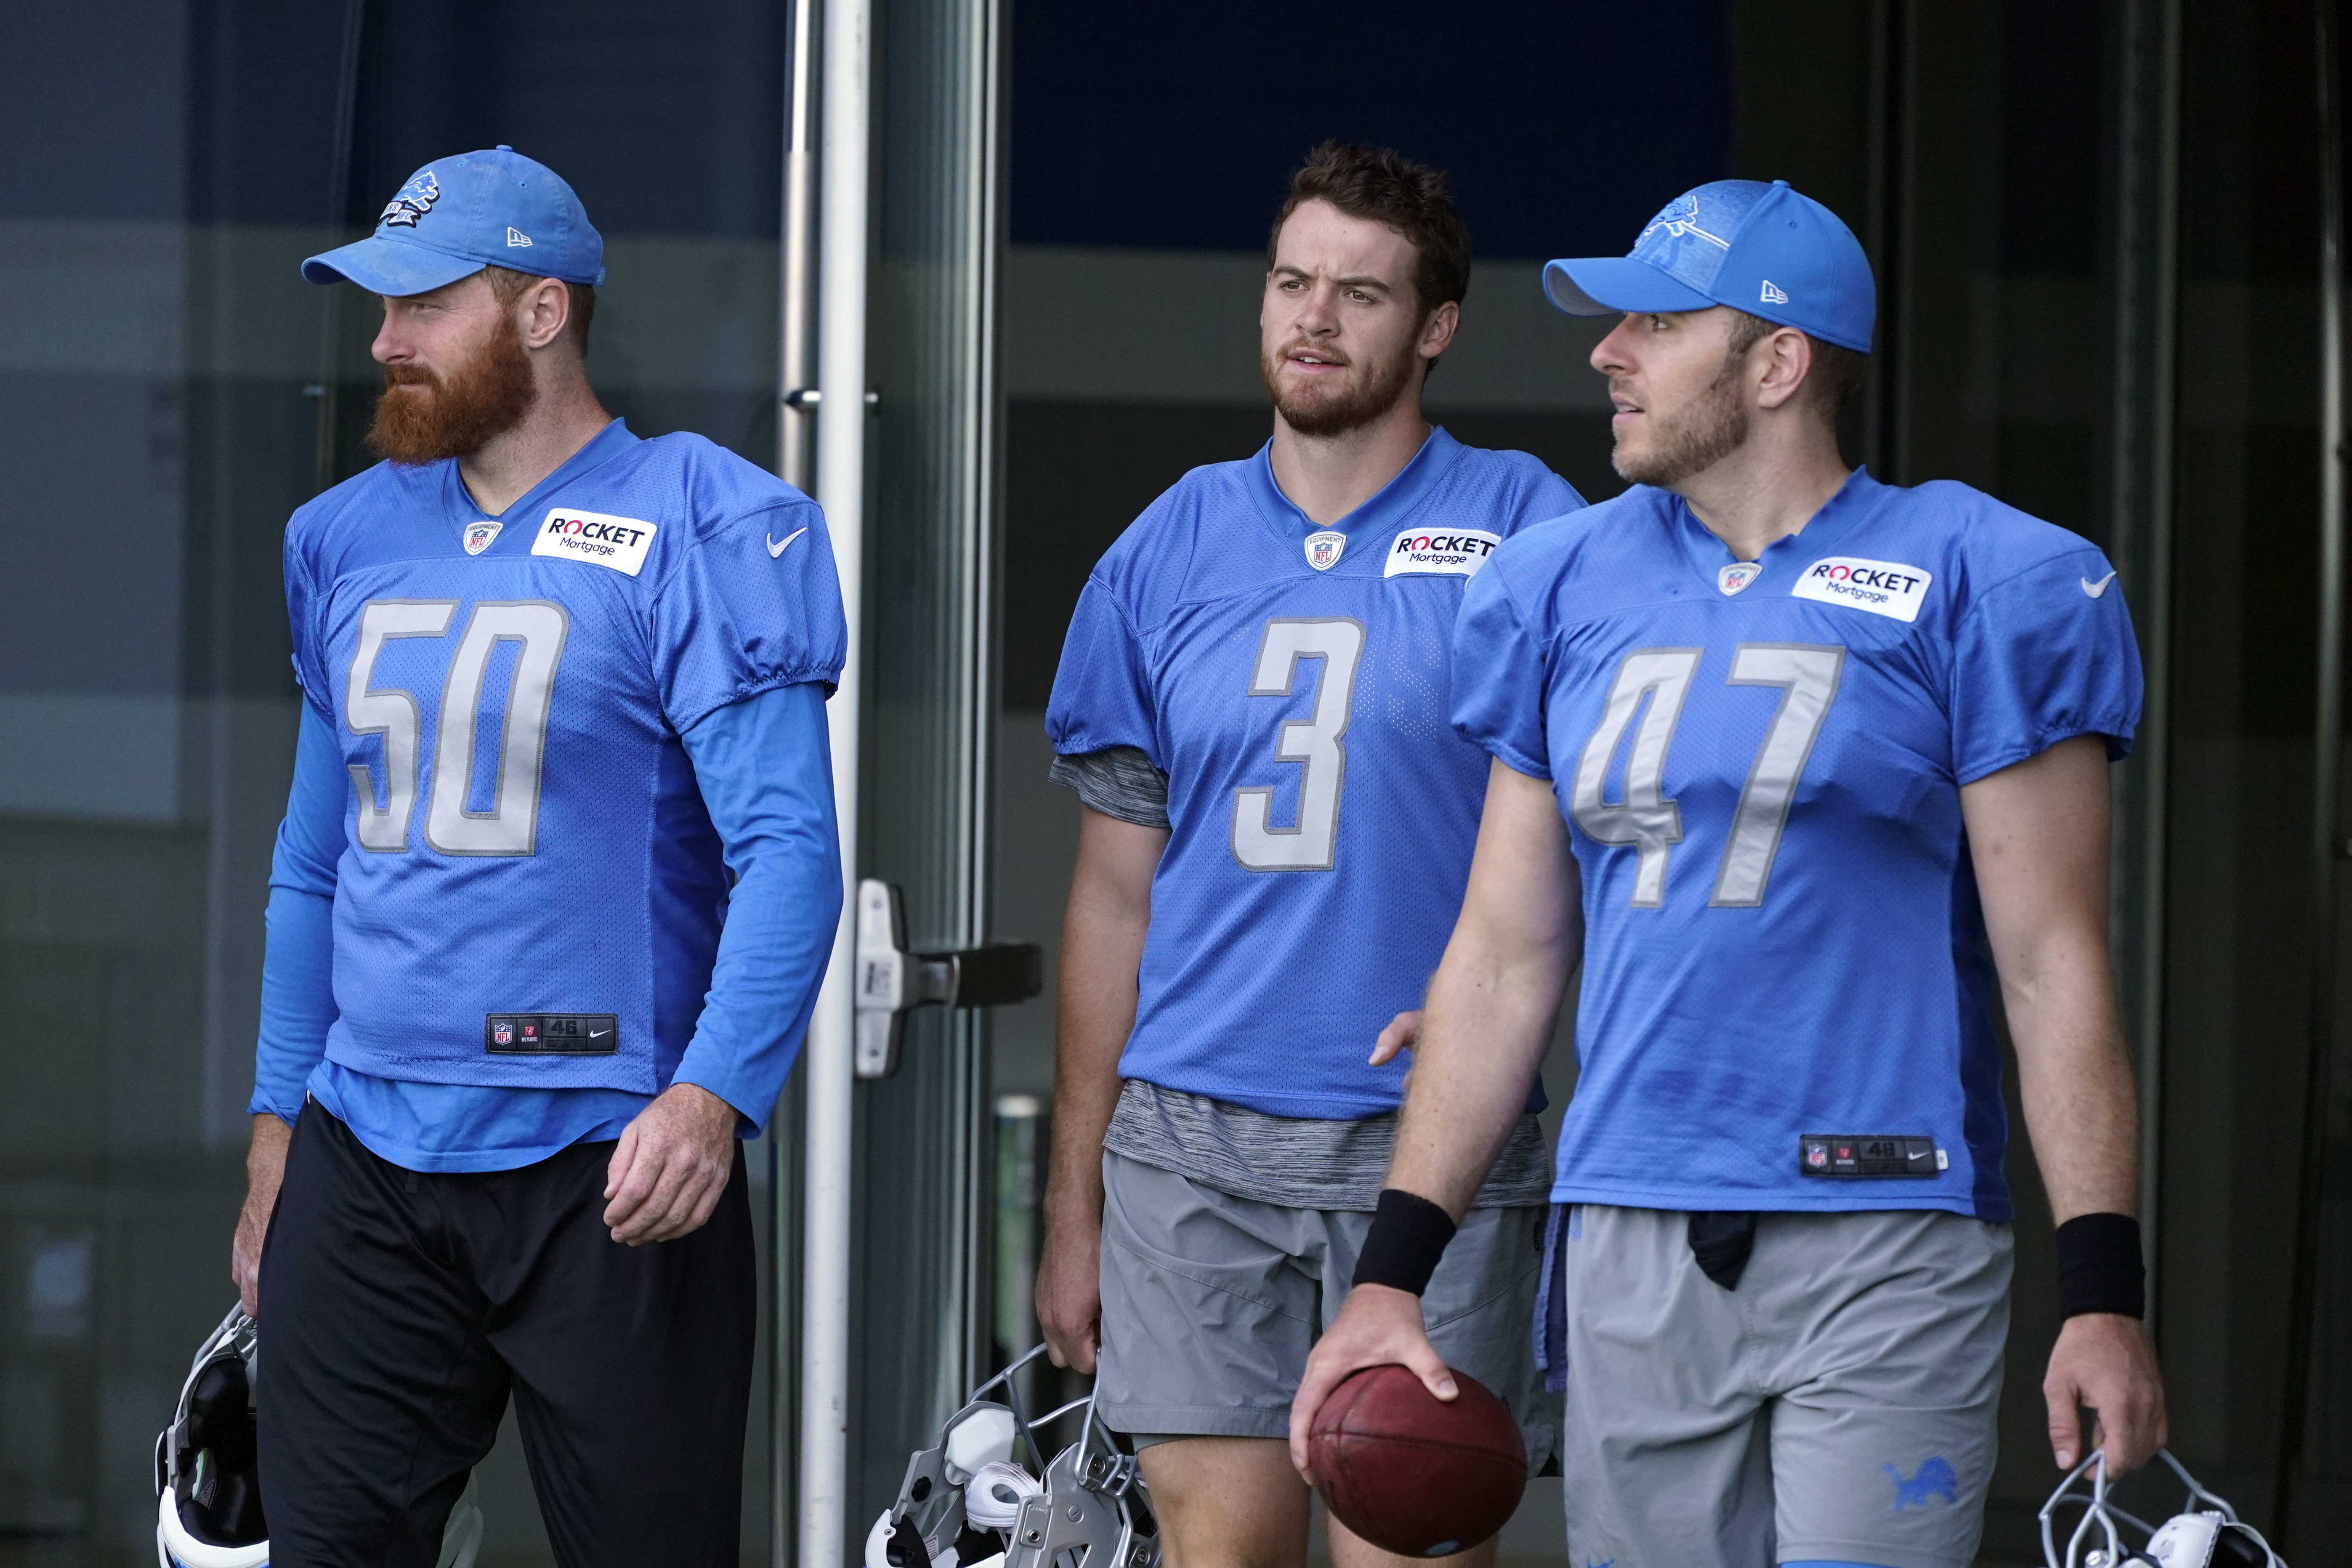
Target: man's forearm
[297, 999]
[2075, 1080]
[297, 965]
[1103, 932]
[2037, 835]
[1095, 1013]
[764, 770]
[1482, 1042]
[1497, 995]
[265, 1156]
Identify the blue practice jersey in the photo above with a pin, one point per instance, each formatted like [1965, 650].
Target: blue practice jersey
[1291, 682]
[1786, 975]
[530, 890]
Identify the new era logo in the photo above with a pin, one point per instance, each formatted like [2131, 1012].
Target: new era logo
[517, 238]
[1773, 293]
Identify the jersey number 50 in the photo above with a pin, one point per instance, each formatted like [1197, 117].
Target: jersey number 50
[512, 825]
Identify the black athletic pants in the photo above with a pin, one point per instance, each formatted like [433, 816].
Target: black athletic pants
[400, 1309]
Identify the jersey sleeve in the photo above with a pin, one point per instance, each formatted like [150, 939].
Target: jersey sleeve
[1102, 692]
[2041, 657]
[766, 773]
[301, 622]
[1119, 781]
[297, 960]
[1498, 677]
[755, 605]
[1552, 497]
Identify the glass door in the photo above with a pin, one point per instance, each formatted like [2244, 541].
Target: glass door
[925, 1164]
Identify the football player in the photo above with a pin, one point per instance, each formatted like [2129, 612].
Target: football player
[1278, 825]
[1800, 766]
[554, 892]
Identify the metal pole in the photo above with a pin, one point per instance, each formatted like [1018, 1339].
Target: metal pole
[2140, 534]
[796, 412]
[321, 392]
[2325, 778]
[840, 491]
[1890, 168]
[795, 416]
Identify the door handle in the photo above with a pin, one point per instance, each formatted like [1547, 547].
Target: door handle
[893, 982]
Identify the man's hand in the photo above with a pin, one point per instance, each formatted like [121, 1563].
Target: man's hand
[2105, 1363]
[673, 1163]
[265, 1168]
[1380, 1326]
[1069, 1292]
[1402, 1034]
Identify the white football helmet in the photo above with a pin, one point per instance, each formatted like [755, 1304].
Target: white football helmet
[207, 1477]
[2206, 1533]
[977, 1499]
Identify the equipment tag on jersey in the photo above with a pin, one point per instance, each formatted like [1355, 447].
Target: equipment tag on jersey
[1882, 588]
[619, 543]
[1423, 552]
[1869, 1155]
[550, 1033]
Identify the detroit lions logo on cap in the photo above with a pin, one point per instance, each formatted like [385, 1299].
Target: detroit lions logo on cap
[411, 201]
[1680, 217]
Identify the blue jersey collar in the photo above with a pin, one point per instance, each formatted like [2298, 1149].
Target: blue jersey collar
[603, 447]
[1854, 500]
[1388, 508]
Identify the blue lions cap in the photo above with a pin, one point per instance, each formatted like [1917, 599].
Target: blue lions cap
[457, 215]
[1755, 248]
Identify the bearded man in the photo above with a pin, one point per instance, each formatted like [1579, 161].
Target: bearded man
[1276, 830]
[560, 687]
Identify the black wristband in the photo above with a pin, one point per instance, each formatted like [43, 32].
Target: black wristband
[1407, 1236]
[2099, 1266]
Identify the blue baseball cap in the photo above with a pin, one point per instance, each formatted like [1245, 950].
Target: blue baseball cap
[457, 215]
[1760, 248]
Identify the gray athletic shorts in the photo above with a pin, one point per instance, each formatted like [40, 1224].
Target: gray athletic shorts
[1839, 1405]
[1211, 1302]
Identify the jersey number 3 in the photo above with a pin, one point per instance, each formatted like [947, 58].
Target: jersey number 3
[1317, 741]
[512, 825]
[1650, 822]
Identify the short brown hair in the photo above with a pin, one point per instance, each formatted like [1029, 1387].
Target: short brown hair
[1837, 372]
[1396, 193]
[508, 285]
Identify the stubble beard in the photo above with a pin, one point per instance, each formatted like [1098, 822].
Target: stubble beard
[1368, 395]
[424, 417]
[1712, 428]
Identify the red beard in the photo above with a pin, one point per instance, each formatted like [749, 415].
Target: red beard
[424, 417]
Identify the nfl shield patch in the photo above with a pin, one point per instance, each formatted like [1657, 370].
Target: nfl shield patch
[480, 534]
[1323, 549]
[502, 1032]
[1737, 575]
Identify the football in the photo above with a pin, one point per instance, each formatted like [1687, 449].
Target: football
[1412, 1473]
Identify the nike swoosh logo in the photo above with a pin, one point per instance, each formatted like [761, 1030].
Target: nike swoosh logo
[777, 547]
[598, 1034]
[1918, 1156]
[2093, 590]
